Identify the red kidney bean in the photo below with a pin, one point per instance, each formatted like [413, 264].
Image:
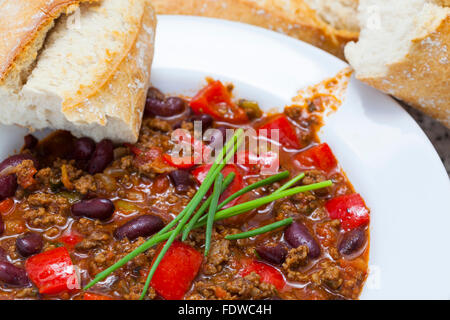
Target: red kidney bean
[30, 141]
[275, 254]
[83, 148]
[29, 243]
[352, 241]
[142, 226]
[181, 180]
[165, 108]
[3, 255]
[102, 157]
[219, 136]
[174, 106]
[154, 93]
[12, 275]
[96, 208]
[8, 186]
[298, 234]
[205, 119]
[18, 159]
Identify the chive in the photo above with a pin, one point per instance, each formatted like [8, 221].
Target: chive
[250, 205]
[261, 230]
[212, 211]
[208, 181]
[251, 187]
[223, 214]
[290, 183]
[255, 185]
[235, 141]
[205, 206]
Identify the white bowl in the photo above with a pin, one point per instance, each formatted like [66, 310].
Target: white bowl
[385, 154]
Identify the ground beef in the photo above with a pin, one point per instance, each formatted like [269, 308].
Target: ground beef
[45, 176]
[305, 202]
[157, 124]
[316, 176]
[72, 171]
[328, 275]
[152, 139]
[210, 290]
[296, 258]
[44, 210]
[94, 240]
[126, 162]
[152, 163]
[250, 287]
[25, 172]
[218, 255]
[284, 209]
[85, 184]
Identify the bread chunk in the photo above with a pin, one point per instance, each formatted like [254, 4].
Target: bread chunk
[90, 77]
[404, 50]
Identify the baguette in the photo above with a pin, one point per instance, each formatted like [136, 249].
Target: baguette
[406, 53]
[292, 17]
[91, 80]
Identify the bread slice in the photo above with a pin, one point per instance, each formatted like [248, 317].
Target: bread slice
[404, 50]
[23, 27]
[91, 79]
[292, 17]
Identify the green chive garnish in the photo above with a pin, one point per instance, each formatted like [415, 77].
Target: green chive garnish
[254, 186]
[255, 232]
[230, 177]
[217, 166]
[290, 183]
[253, 204]
[212, 211]
[251, 187]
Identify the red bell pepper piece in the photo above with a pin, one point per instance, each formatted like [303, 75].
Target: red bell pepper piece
[198, 149]
[150, 155]
[215, 100]
[267, 274]
[237, 184]
[135, 150]
[53, 271]
[153, 155]
[176, 271]
[179, 162]
[287, 135]
[320, 157]
[94, 296]
[350, 209]
[70, 240]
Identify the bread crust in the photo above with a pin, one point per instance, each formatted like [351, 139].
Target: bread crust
[122, 92]
[109, 101]
[298, 21]
[422, 78]
[21, 23]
